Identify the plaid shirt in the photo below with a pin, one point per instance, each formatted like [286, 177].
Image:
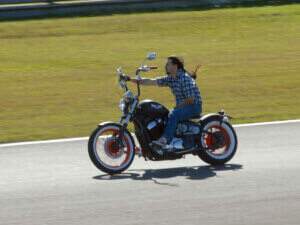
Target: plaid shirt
[183, 86]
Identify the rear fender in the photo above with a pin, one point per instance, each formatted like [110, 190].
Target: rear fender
[214, 116]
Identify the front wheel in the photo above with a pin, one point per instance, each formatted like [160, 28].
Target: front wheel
[108, 153]
[219, 142]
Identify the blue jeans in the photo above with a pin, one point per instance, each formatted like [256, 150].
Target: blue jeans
[180, 114]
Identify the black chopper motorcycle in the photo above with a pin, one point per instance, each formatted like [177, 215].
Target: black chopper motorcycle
[112, 147]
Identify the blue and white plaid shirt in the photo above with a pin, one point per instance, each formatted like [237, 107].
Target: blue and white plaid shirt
[183, 86]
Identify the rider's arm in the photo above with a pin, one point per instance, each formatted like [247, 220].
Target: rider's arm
[159, 81]
[145, 81]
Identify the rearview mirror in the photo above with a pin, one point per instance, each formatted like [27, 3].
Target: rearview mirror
[151, 56]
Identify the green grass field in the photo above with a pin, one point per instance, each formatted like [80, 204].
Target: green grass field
[57, 76]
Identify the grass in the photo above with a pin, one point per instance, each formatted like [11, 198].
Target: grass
[57, 76]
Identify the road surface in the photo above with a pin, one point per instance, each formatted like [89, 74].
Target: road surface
[55, 183]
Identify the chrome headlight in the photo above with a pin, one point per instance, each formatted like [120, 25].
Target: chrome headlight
[128, 96]
[122, 105]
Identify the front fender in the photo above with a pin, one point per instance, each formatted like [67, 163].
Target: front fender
[107, 123]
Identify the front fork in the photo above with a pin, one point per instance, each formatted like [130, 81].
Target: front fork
[125, 119]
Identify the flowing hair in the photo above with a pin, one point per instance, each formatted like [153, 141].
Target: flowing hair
[180, 65]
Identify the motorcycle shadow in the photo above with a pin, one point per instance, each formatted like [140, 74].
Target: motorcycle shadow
[192, 173]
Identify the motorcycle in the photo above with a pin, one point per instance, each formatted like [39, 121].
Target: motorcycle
[112, 147]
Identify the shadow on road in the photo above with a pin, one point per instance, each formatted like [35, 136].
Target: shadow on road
[192, 173]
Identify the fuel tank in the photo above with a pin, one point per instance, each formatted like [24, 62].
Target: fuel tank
[151, 109]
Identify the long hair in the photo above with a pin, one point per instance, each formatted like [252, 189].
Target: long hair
[180, 65]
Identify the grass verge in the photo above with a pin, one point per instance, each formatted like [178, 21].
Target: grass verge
[57, 75]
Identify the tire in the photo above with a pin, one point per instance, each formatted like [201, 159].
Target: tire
[230, 142]
[107, 146]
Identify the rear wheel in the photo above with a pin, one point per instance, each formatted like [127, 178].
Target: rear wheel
[219, 142]
[108, 153]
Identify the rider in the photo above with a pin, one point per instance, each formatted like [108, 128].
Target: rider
[186, 92]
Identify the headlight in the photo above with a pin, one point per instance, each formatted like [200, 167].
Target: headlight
[122, 105]
[128, 96]
[226, 119]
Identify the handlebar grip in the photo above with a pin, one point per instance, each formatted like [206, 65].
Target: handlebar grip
[153, 67]
[125, 77]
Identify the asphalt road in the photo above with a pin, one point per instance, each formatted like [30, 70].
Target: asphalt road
[56, 183]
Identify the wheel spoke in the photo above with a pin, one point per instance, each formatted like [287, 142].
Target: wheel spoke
[213, 140]
[108, 150]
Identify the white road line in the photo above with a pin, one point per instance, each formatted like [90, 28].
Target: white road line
[86, 138]
[43, 142]
[267, 123]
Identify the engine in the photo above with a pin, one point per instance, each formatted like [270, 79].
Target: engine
[189, 133]
[187, 128]
[154, 117]
[156, 127]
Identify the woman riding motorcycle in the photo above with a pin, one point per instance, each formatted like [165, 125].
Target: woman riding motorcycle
[186, 92]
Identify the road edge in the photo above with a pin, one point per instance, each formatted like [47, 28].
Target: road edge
[73, 139]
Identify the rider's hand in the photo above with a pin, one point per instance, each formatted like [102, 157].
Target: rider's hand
[125, 77]
[194, 73]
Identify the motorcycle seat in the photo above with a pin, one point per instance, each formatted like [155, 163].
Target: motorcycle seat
[196, 117]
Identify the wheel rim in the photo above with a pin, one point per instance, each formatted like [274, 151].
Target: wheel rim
[107, 150]
[218, 140]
